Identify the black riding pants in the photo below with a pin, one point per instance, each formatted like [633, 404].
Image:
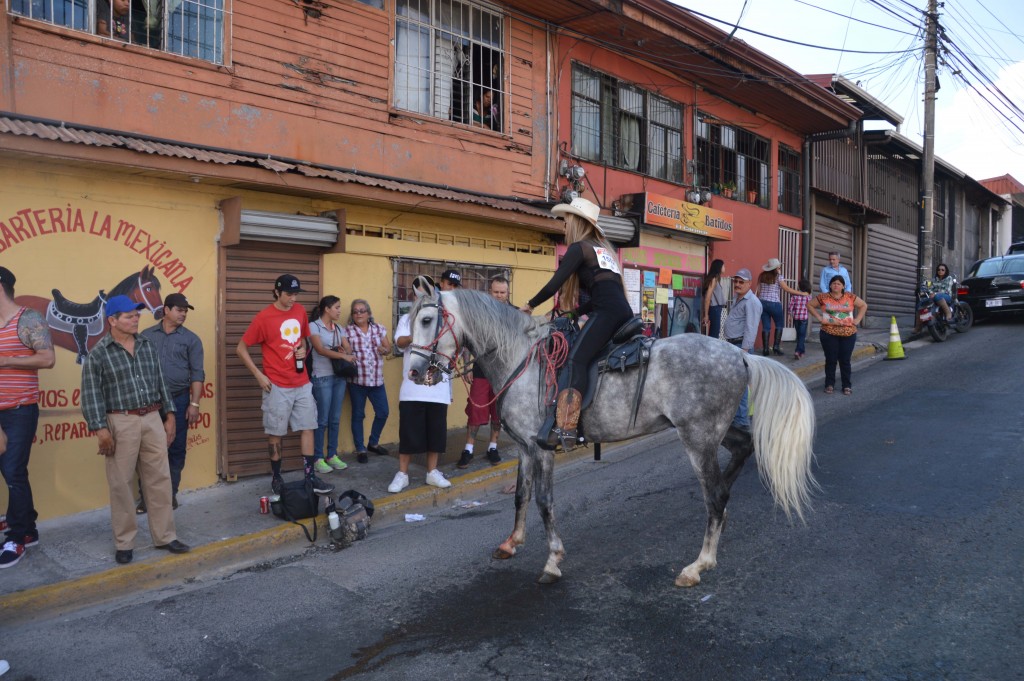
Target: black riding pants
[601, 325]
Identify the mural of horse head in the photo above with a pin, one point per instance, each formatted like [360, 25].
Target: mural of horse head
[79, 326]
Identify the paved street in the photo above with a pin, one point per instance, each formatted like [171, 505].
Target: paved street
[909, 568]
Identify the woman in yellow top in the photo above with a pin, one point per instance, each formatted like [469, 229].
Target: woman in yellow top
[839, 312]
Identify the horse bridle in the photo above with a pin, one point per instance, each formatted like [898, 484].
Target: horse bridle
[441, 327]
[142, 293]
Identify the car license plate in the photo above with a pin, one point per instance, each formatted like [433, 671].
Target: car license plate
[994, 302]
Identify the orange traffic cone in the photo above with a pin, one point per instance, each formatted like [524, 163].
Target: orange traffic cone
[895, 345]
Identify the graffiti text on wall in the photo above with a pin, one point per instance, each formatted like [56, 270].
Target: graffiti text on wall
[30, 223]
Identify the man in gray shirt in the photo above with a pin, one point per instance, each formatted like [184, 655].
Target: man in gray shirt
[741, 329]
[181, 360]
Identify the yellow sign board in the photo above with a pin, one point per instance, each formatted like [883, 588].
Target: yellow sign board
[682, 216]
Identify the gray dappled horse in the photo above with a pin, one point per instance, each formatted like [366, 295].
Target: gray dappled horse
[694, 384]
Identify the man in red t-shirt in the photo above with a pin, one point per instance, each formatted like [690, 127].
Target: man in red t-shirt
[281, 329]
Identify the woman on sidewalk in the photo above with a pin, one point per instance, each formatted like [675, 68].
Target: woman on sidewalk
[770, 286]
[370, 345]
[839, 312]
[716, 295]
[329, 342]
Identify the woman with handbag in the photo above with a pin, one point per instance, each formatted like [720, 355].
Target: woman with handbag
[330, 369]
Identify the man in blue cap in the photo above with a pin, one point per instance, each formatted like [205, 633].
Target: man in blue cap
[127, 405]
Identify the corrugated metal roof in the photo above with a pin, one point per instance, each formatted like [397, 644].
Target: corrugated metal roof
[868, 210]
[79, 135]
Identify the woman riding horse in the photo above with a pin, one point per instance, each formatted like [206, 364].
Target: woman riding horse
[589, 265]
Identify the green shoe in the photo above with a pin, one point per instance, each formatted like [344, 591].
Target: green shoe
[336, 463]
[322, 466]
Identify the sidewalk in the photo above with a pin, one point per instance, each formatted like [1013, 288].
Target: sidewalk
[73, 565]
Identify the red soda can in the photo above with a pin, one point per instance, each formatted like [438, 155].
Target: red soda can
[264, 505]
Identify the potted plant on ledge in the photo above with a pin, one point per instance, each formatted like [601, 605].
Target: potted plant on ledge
[728, 188]
[751, 196]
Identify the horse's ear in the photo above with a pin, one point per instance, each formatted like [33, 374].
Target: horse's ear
[424, 287]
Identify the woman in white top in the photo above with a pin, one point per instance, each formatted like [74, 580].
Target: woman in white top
[329, 342]
[770, 286]
[716, 295]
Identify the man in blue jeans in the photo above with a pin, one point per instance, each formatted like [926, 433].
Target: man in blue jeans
[181, 360]
[741, 330]
[25, 348]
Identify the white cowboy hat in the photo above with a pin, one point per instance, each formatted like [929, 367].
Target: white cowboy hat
[772, 265]
[585, 209]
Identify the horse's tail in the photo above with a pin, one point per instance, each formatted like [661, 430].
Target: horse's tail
[783, 433]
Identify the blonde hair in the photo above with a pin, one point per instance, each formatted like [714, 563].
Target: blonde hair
[578, 229]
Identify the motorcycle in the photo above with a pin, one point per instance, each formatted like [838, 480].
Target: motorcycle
[930, 315]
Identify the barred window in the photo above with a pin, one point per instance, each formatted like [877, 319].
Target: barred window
[621, 125]
[450, 61]
[190, 28]
[733, 161]
[790, 194]
[474, 277]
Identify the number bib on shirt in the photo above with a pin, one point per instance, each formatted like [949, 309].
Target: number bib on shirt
[606, 261]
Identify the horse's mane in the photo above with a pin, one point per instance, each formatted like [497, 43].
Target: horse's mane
[494, 324]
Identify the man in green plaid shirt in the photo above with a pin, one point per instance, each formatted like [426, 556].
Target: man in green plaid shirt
[127, 405]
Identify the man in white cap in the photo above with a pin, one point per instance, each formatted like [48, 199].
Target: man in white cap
[590, 265]
[741, 329]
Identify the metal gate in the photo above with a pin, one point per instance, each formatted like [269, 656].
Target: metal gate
[892, 272]
[789, 254]
[249, 272]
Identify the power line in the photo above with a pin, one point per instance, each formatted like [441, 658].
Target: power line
[852, 18]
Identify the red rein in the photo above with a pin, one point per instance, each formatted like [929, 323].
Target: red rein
[552, 360]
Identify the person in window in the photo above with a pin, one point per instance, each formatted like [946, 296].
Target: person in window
[589, 265]
[123, 20]
[483, 111]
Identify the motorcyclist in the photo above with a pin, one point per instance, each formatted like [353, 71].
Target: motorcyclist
[940, 290]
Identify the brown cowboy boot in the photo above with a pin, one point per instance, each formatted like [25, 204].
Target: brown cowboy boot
[567, 417]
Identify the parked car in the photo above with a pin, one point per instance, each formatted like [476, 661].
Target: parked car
[994, 286]
[1015, 248]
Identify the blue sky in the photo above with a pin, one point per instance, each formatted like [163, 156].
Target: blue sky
[969, 134]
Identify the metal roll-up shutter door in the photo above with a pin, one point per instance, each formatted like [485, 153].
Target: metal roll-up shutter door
[892, 269]
[621, 231]
[249, 273]
[832, 235]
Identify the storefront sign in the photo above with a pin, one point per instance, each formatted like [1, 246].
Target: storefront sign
[682, 216]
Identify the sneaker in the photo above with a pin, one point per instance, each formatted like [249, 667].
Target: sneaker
[11, 554]
[465, 459]
[361, 457]
[321, 466]
[436, 478]
[319, 486]
[31, 539]
[336, 463]
[276, 484]
[4, 667]
[400, 482]
[493, 457]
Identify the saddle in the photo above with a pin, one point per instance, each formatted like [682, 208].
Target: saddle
[628, 349]
[81, 320]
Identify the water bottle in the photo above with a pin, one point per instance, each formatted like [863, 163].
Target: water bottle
[333, 520]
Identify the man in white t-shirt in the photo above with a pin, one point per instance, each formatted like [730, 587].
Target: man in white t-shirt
[422, 419]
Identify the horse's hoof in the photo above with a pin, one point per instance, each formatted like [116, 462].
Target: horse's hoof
[502, 554]
[686, 580]
[548, 578]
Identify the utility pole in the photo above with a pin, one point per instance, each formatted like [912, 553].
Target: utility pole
[926, 241]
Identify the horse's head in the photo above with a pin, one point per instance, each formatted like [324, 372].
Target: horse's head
[435, 346]
[143, 287]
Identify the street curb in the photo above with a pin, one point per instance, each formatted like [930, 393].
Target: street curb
[53, 599]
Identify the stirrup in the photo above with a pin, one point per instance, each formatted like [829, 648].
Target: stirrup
[556, 437]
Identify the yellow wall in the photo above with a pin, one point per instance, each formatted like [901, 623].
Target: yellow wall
[82, 232]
